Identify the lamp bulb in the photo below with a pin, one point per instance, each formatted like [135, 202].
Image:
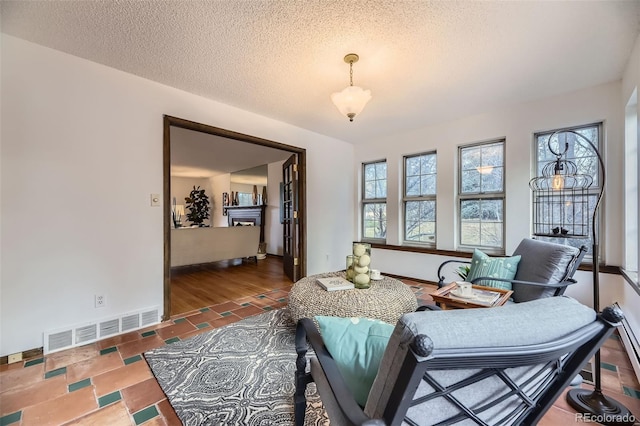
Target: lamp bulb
[558, 182]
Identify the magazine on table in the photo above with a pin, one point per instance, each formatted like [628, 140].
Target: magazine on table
[334, 283]
[480, 297]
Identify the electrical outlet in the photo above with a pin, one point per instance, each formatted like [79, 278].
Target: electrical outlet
[101, 301]
[14, 358]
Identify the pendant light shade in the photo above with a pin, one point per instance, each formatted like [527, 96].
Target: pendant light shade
[352, 100]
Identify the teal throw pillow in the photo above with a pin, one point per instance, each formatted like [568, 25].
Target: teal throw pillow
[357, 345]
[483, 265]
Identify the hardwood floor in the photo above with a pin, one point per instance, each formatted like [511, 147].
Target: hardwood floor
[194, 287]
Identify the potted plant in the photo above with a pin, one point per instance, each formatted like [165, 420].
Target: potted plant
[197, 206]
[463, 271]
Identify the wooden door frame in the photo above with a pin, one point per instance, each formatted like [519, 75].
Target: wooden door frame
[169, 121]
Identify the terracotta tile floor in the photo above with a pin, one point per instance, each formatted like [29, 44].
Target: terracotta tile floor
[110, 383]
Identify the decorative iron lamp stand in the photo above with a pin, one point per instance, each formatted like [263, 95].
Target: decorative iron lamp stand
[561, 209]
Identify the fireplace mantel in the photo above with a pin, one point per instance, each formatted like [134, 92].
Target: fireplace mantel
[253, 214]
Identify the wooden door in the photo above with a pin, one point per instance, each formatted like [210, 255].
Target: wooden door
[290, 227]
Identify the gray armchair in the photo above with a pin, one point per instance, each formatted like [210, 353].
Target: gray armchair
[545, 270]
[471, 366]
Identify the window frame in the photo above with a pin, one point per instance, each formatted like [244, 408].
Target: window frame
[364, 202]
[482, 196]
[593, 190]
[407, 198]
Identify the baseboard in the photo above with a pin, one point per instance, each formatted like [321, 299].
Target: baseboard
[26, 355]
[631, 345]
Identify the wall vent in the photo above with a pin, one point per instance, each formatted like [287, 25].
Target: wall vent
[87, 333]
[130, 322]
[109, 327]
[81, 334]
[149, 317]
[60, 340]
[631, 345]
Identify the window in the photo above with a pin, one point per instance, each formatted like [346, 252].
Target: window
[632, 160]
[420, 198]
[374, 200]
[481, 196]
[586, 160]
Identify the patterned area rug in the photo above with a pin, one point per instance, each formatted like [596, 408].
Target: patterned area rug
[239, 374]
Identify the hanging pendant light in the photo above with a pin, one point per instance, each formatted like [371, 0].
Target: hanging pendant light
[352, 100]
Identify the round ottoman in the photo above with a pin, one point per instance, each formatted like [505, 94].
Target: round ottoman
[387, 300]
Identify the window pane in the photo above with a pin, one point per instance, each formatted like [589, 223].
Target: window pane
[428, 164]
[492, 155]
[491, 179]
[420, 219]
[381, 189]
[470, 210]
[470, 234]
[412, 166]
[413, 186]
[482, 168]
[369, 172]
[420, 173]
[370, 190]
[375, 180]
[470, 181]
[470, 158]
[428, 185]
[375, 220]
[482, 222]
[420, 214]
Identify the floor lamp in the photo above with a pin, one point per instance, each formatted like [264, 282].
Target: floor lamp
[561, 209]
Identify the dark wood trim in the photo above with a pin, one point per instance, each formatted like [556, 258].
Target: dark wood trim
[605, 269]
[26, 355]
[166, 217]
[169, 121]
[425, 250]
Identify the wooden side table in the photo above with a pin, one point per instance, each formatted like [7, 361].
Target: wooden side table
[447, 301]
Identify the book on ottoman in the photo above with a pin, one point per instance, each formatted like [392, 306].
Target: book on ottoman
[334, 283]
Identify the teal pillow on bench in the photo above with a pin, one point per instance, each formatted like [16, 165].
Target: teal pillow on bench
[356, 345]
[483, 265]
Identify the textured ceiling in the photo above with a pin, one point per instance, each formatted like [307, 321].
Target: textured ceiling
[424, 61]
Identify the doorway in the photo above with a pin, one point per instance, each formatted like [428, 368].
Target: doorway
[170, 122]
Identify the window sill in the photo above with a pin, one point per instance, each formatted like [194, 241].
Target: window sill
[631, 277]
[605, 269]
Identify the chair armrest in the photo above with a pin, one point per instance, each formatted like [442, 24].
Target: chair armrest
[441, 277]
[306, 328]
[428, 308]
[561, 284]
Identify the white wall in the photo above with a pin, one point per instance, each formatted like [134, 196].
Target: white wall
[627, 296]
[517, 124]
[181, 187]
[243, 187]
[81, 152]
